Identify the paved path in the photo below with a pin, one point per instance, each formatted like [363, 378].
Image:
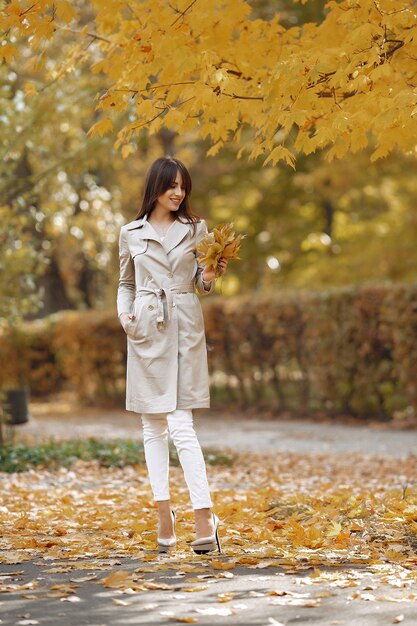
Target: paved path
[218, 431]
[266, 597]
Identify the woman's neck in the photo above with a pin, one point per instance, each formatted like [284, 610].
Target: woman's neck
[161, 216]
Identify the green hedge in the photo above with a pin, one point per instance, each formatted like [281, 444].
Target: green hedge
[351, 350]
[80, 350]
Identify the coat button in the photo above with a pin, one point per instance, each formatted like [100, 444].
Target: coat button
[173, 304]
[170, 275]
[150, 307]
[149, 277]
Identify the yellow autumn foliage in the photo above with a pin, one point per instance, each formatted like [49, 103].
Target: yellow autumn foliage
[213, 69]
[220, 242]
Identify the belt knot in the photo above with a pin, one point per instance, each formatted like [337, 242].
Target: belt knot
[167, 291]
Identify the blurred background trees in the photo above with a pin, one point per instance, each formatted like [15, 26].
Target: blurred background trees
[64, 194]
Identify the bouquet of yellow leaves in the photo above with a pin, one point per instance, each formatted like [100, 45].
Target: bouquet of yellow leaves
[220, 242]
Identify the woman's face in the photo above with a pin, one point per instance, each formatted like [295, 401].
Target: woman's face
[173, 196]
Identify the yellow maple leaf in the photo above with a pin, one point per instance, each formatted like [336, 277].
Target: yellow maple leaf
[7, 52]
[281, 153]
[223, 565]
[127, 149]
[117, 579]
[102, 127]
[65, 11]
[335, 530]
[225, 597]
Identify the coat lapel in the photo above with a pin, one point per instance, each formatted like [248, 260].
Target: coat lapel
[143, 230]
[175, 235]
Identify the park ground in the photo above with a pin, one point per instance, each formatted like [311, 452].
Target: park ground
[319, 526]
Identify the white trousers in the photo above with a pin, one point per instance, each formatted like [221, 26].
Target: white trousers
[180, 425]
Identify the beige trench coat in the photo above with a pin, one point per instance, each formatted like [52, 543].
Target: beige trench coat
[166, 345]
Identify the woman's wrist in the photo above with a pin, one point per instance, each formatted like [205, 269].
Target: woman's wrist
[211, 275]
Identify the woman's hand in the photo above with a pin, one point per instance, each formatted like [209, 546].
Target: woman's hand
[210, 273]
[125, 318]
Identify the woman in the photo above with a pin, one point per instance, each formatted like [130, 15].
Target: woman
[167, 375]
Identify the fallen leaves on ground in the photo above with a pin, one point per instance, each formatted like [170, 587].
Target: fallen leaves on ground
[287, 511]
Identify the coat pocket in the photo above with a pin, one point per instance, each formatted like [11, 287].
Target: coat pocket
[141, 328]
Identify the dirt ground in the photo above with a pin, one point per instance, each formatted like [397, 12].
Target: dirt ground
[64, 419]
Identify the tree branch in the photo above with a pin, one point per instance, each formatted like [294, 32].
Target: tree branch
[185, 82]
[148, 121]
[133, 13]
[93, 35]
[184, 12]
[27, 10]
[237, 97]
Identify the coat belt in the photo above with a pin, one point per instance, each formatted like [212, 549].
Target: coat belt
[159, 292]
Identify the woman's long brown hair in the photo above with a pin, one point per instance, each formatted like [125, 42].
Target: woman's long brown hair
[159, 179]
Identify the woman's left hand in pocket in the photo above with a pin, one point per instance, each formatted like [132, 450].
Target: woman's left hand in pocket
[125, 318]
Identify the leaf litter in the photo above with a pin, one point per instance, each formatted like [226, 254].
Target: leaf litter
[342, 518]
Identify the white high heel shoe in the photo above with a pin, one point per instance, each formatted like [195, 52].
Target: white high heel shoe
[165, 544]
[207, 544]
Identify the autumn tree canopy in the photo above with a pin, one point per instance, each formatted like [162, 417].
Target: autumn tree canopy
[324, 224]
[341, 84]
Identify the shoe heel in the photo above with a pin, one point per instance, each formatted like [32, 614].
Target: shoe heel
[218, 542]
[163, 549]
[164, 545]
[210, 543]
